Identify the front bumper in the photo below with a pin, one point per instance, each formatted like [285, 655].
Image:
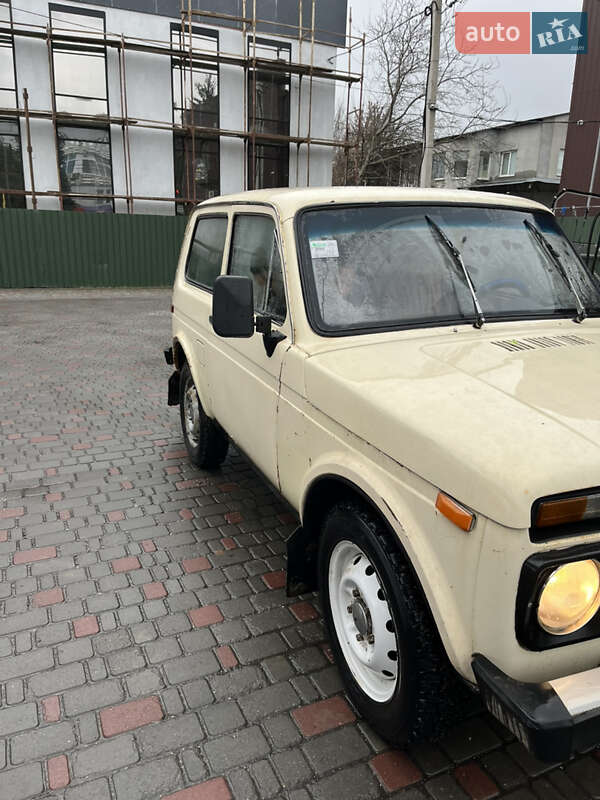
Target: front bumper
[553, 719]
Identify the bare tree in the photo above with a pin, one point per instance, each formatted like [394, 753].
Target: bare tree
[392, 117]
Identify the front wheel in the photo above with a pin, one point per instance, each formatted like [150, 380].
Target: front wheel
[383, 638]
[206, 442]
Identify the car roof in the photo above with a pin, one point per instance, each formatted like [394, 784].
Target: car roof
[288, 201]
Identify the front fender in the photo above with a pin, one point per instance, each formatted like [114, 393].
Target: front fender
[444, 559]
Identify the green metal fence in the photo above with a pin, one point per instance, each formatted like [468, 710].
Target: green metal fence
[69, 249]
[579, 229]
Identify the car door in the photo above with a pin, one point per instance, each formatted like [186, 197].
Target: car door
[244, 378]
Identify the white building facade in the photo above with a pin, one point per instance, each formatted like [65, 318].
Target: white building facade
[128, 125]
[522, 158]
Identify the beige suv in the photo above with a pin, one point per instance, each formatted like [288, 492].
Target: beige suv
[417, 373]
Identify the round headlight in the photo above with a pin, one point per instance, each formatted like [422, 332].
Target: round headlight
[570, 597]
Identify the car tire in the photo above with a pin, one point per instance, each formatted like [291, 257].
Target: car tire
[206, 442]
[400, 680]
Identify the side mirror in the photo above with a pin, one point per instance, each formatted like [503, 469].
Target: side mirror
[233, 307]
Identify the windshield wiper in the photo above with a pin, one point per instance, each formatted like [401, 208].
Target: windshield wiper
[458, 261]
[549, 250]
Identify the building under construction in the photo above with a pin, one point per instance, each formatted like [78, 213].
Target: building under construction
[150, 106]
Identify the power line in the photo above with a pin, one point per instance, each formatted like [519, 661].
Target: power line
[422, 13]
[543, 120]
[347, 50]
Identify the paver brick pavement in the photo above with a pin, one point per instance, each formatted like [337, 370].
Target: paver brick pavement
[147, 648]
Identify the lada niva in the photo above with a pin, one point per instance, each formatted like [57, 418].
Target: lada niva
[417, 372]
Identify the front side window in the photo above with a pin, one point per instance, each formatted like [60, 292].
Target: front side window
[383, 267]
[268, 113]
[507, 163]
[195, 102]
[11, 165]
[206, 251]
[560, 162]
[255, 255]
[461, 163]
[85, 168]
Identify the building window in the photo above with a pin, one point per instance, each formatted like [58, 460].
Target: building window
[8, 86]
[196, 165]
[80, 87]
[195, 103]
[268, 113]
[85, 168]
[407, 173]
[438, 167]
[11, 158]
[560, 162]
[11, 165]
[80, 84]
[461, 163]
[483, 173]
[507, 163]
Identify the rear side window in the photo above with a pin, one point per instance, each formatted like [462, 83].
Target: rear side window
[206, 252]
[255, 254]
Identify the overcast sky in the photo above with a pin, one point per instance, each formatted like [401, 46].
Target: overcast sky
[534, 85]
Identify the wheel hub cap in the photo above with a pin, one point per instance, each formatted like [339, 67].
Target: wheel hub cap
[362, 618]
[363, 621]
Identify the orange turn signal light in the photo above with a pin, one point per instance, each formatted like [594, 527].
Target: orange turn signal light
[457, 514]
[561, 512]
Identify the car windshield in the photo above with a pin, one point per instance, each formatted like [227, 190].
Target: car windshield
[374, 266]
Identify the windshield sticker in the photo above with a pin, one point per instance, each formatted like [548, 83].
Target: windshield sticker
[324, 248]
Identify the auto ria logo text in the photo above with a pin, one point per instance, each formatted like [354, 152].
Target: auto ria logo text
[520, 32]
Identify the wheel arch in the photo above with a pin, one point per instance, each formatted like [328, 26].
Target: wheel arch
[181, 351]
[179, 355]
[329, 487]
[320, 495]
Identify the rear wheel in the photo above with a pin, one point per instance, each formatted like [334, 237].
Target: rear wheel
[206, 442]
[384, 640]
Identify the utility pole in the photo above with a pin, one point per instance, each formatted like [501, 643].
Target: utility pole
[431, 96]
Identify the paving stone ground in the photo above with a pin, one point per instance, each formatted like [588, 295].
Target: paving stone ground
[147, 648]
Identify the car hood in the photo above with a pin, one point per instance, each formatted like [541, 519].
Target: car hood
[494, 422]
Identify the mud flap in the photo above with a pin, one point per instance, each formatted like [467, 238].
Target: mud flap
[301, 563]
[173, 398]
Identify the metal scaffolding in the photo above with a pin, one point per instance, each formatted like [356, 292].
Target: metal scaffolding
[249, 63]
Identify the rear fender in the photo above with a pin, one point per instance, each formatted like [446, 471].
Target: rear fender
[182, 348]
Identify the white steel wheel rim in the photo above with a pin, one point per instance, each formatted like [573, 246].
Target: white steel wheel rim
[363, 621]
[191, 414]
